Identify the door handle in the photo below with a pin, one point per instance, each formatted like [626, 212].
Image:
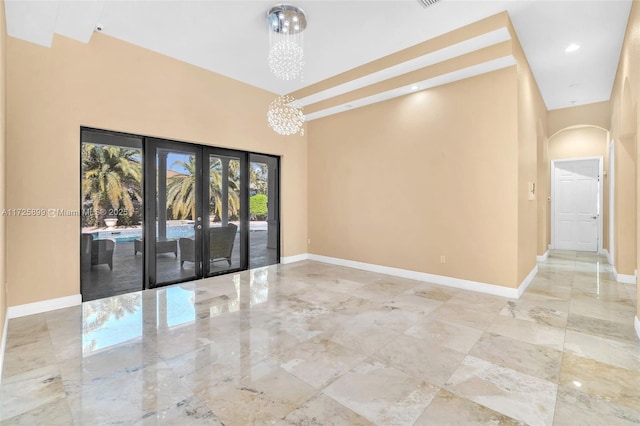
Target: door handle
[594, 217]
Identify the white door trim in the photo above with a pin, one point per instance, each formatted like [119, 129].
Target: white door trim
[600, 195]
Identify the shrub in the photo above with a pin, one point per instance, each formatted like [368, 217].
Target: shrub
[258, 207]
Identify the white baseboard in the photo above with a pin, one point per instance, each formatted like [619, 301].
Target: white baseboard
[3, 344]
[622, 278]
[527, 281]
[43, 306]
[292, 259]
[636, 325]
[606, 253]
[543, 257]
[496, 290]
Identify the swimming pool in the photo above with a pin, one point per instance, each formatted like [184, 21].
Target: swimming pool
[185, 229]
[131, 234]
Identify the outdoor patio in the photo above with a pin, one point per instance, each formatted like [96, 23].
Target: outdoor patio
[100, 281]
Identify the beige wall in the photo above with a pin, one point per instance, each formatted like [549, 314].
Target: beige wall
[597, 114]
[113, 85]
[532, 123]
[624, 122]
[582, 142]
[544, 191]
[433, 173]
[3, 164]
[586, 141]
[625, 221]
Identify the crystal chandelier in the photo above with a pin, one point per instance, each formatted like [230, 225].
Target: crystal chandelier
[286, 53]
[285, 116]
[286, 60]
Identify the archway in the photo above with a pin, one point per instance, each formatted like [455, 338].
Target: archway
[579, 142]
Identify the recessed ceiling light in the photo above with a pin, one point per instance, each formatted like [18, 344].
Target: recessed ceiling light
[572, 48]
[414, 87]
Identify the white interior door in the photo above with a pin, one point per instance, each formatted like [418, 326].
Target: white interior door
[576, 205]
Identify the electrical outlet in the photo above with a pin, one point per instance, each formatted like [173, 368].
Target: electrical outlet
[443, 259]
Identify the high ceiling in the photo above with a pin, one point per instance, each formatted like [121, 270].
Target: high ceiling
[231, 38]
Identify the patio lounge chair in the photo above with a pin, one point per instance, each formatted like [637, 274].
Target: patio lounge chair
[187, 250]
[97, 252]
[221, 240]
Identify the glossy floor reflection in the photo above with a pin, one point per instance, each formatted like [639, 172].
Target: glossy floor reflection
[311, 343]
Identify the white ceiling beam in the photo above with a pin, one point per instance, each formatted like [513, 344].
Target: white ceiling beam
[461, 74]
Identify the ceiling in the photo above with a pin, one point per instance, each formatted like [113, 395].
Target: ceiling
[231, 38]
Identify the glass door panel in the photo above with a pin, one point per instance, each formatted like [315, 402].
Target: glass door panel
[185, 215]
[263, 211]
[111, 213]
[174, 247]
[223, 247]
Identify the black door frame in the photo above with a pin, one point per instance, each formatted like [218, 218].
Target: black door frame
[150, 146]
[256, 158]
[202, 191]
[244, 206]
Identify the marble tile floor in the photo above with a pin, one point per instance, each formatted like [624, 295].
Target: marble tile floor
[315, 344]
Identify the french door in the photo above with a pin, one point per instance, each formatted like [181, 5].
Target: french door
[157, 212]
[200, 207]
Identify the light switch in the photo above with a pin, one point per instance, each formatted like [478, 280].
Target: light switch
[532, 191]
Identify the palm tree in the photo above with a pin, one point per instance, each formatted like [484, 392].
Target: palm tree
[215, 191]
[258, 177]
[111, 178]
[181, 190]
